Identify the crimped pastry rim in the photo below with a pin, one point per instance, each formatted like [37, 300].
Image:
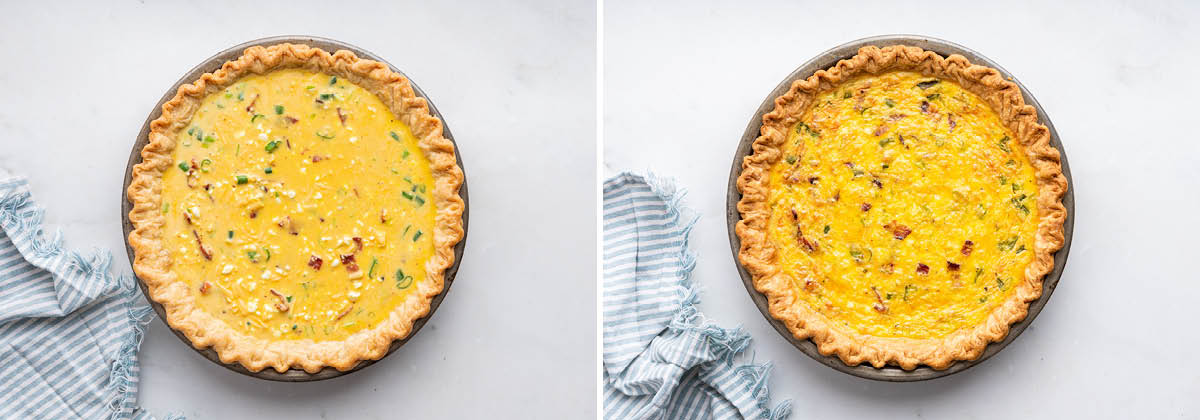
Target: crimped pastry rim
[852, 348]
[256, 354]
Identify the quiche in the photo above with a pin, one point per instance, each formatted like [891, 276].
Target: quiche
[295, 209]
[901, 208]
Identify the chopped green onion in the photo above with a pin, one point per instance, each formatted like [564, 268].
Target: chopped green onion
[209, 138]
[278, 109]
[183, 166]
[191, 131]
[403, 281]
[420, 201]
[371, 271]
[332, 80]
[324, 136]
[326, 96]
[268, 170]
[268, 252]
[405, 154]
[230, 234]
[241, 179]
[395, 136]
[256, 117]
[417, 236]
[166, 207]
[406, 195]
[271, 146]
[205, 165]
[253, 255]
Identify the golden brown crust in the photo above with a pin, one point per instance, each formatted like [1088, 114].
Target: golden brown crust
[757, 254]
[152, 262]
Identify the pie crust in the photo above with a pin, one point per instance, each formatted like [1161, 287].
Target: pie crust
[758, 255]
[152, 261]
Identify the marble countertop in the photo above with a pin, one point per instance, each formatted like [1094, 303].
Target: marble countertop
[682, 81]
[81, 78]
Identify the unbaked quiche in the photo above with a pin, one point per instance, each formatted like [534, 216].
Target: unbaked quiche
[901, 208]
[295, 209]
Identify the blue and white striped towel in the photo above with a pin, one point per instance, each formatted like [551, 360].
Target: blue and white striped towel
[662, 360]
[69, 330]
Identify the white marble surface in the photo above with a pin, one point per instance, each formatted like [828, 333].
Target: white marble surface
[1118, 336]
[515, 336]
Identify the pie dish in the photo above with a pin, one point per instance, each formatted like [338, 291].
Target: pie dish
[903, 252]
[295, 209]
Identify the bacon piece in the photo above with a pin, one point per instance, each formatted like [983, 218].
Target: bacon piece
[250, 108]
[952, 266]
[866, 206]
[896, 117]
[282, 306]
[358, 244]
[809, 246]
[204, 288]
[879, 305]
[952, 123]
[315, 262]
[187, 217]
[795, 216]
[881, 130]
[875, 181]
[925, 106]
[967, 247]
[810, 285]
[813, 179]
[290, 119]
[922, 269]
[203, 249]
[345, 311]
[348, 260]
[317, 158]
[341, 116]
[899, 231]
[383, 216]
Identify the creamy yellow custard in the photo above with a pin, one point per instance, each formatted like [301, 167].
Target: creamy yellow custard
[300, 207]
[901, 207]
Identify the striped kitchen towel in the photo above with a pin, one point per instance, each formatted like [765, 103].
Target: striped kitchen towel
[662, 359]
[69, 329]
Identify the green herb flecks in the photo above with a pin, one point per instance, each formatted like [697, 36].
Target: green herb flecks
[268, 170]
[791, 159]
[183, 166]
[324, 136]
[278, 109]
[371, 271]
[908, 289]
[933, 97]
[890, 103]
[256, 117]
[402, 280]
[395, 136]
[271, 146]
[417, 236]
[826, 229]
[241, 179]
[1004, 145]
[1007, 245]
[803, 128]
[205, 165]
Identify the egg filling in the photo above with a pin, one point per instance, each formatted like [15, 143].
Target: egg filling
[901, 206]
[299, 208]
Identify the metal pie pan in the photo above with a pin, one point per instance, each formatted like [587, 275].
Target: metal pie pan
[212, 64]
[826, 60]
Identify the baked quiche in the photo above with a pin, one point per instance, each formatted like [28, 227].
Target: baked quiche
[901, 208]
[295, 209]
